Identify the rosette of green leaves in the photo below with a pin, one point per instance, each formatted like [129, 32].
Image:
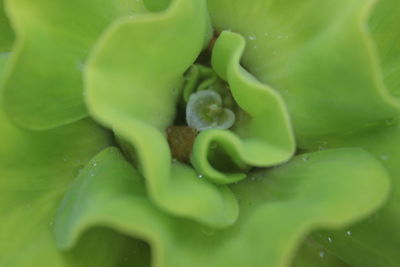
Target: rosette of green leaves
[319, 72]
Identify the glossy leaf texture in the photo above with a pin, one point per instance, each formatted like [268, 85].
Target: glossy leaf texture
[262, 139]
[138, 101]
[318, 55]
[278, 208]
[43, 85]
[36, 169]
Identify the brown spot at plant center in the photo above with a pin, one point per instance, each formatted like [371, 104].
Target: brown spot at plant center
[180, 140]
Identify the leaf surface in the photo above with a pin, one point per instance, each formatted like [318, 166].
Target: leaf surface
[279, 208]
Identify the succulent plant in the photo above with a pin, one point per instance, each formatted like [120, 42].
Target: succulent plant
[199, 133]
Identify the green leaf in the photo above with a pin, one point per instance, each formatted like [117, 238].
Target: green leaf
[263, 139]
[36, 169]
[313, 254]
[138, 101]
[43, 87]
[278, 208]
[204, 111]
[7, 35]
[318, 55]
[137, 65]
[375, 241]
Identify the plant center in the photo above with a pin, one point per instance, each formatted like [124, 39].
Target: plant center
[206, 103]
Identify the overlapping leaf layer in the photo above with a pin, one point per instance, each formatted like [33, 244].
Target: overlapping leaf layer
[318, 72]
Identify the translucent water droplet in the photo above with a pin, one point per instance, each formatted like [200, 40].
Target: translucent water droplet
[305, 158]
[322, 145]
[80, 66]
[78, 170]
[348, 233]
[91, 174]
[384, 157]
[252, 37]
[322, 254]
[94, 164]
[200, 176]
[330, 239]
[390, 121]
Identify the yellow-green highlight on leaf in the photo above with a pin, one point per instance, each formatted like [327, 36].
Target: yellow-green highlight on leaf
[279, 207]
[264, 139]
[36, 169]
[137, 65]
[132, 83]
[43, 86]
[6, 33]
[318, 55]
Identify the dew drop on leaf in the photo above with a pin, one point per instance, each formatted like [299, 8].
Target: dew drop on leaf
[390, 121]
[384, 157]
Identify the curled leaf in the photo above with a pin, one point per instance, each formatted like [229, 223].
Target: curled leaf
[138, 102]
[36, 169]
[318, 55]
[278, 209]
[43, 84]
[205, 111]
[264, 139]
